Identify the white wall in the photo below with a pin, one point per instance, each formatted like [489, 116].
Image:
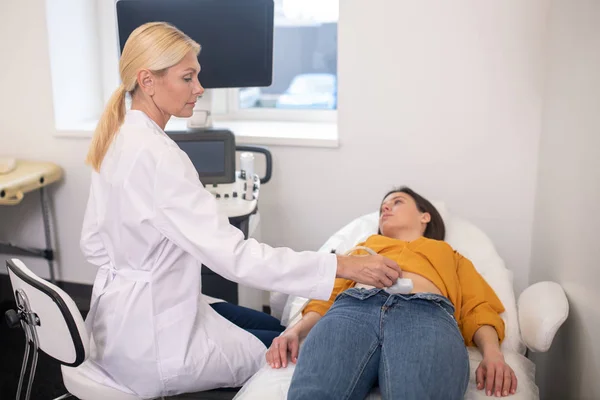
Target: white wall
[567, 216]
[445, 97]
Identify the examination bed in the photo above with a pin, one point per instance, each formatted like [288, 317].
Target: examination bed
[531, 322]
[18, 178]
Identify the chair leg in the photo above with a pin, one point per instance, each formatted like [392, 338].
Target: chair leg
[25, 362]
[32, 372]
[64, 396]
[31, 342]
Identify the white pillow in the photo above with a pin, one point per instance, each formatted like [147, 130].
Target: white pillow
[464, 237]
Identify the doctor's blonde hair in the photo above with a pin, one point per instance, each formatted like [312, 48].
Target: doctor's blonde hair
[155, 46]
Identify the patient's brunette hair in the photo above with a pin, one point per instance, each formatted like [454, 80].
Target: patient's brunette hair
[435, 228]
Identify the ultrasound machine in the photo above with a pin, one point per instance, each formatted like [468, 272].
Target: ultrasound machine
[213, 152]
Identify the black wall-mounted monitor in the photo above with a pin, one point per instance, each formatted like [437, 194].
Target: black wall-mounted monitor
[236, 35]
[212, 153]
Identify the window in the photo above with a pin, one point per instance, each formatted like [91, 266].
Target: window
[304, 65]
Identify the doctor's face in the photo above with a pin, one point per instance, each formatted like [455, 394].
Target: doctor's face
[399, 212]
[177, 90]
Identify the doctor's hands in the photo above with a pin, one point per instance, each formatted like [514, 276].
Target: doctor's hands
[374, 270]
[277, 355]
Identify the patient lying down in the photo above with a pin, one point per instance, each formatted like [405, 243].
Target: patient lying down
[413, 346]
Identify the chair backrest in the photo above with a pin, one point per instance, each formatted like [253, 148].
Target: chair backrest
[61, 331]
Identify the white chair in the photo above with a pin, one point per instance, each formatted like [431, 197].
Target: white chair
[53, 324]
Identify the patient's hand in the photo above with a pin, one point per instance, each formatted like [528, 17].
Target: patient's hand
[496, 376]
[277, 353]
[493, 372]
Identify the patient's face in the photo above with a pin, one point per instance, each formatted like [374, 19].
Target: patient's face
[399, 212]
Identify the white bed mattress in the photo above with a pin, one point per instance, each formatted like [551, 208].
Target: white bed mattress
[273, 384]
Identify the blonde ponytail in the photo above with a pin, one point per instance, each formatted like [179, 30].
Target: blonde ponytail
[155, 46]
[108, 125]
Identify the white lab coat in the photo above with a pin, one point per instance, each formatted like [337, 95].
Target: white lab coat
[148, 227]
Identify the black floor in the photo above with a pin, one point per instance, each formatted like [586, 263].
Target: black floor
[47, 382]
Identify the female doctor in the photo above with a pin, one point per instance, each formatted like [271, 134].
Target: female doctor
[150, 225]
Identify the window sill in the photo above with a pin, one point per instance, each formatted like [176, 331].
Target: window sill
[275, 133]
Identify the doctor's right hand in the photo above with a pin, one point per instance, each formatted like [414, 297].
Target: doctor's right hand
[374, 270]
[277, 355]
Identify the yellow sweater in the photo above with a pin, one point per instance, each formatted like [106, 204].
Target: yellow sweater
[475, 302]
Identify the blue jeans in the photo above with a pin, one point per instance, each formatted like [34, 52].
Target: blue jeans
[264, 326]
[409, 345]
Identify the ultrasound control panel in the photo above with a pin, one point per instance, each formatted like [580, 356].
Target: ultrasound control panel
[233, 199]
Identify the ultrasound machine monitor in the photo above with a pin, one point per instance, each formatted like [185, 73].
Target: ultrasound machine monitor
[236, 35]
[212, 153]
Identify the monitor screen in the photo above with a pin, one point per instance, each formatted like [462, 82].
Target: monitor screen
[207, 156]
[212, 152]
[236, 35]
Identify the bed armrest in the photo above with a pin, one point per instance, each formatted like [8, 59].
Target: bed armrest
[543, 307]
